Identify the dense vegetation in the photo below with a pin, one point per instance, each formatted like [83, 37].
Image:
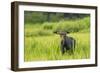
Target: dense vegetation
[41, 17]
[42, 44]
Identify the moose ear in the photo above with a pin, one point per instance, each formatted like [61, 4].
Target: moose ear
[67, 32]
[54, 31]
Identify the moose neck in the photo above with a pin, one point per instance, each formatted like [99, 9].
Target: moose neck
[65, 37]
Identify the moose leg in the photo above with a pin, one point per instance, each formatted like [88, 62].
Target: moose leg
[73, 46]
[62, 49]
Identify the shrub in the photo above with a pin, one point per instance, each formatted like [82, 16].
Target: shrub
[48, 25]
[38, 32]
[72, 25]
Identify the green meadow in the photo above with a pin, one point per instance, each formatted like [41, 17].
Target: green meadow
[41, 44]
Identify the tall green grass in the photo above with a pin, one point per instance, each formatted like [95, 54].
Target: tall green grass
[48, 48]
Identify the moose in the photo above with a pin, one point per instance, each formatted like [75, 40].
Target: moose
[67, 43]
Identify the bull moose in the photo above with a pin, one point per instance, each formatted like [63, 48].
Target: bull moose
[67, 43]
